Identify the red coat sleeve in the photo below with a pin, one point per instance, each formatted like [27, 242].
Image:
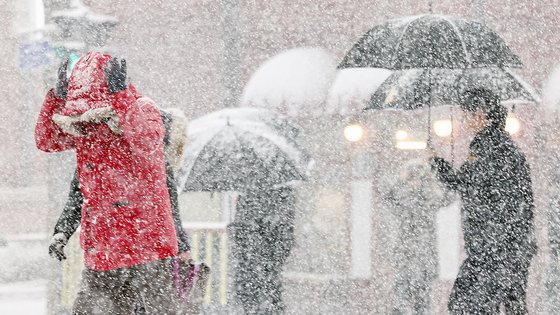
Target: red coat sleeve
[140, 120]
[48, 136]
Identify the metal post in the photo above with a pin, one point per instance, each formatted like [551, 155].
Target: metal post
[478, 8]
[231, 59]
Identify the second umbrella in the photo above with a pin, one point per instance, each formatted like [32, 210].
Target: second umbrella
[232, 153]
[417, 88]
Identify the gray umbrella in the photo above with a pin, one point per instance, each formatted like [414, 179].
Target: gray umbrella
[235, 152]
[414, 88]
[430, 41]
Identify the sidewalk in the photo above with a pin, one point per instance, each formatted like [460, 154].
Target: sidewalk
[24, 298]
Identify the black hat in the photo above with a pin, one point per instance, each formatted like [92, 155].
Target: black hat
[486, 101]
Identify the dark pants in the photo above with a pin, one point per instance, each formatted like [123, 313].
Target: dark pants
[118, 291]
[482, 286]
[412, 293]
[259, 254]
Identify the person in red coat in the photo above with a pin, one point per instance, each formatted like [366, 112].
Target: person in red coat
[127, 225]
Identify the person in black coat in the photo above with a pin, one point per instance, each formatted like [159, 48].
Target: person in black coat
[497, 213]
[262, 236]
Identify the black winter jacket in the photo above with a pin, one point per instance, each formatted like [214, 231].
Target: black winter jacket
[497, 197]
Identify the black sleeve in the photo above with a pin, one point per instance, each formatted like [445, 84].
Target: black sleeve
[451, 178]
[182, 236]
[71, 215]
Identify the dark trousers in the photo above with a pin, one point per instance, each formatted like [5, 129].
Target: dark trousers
[258, 257]
[482, 286]
[412, 293]
[116, 292]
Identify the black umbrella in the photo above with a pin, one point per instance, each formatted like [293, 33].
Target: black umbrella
[413, 88]
[430, 41]
[232, 152]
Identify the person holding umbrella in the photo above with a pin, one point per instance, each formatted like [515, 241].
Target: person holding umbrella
[262, 236]
[497, 213]
[254, 152]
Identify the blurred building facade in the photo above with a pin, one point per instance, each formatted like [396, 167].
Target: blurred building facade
[198, 55]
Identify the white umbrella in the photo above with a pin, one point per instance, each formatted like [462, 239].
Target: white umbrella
[352, 89]
[295, 82]
[228, 151]
[551, 91]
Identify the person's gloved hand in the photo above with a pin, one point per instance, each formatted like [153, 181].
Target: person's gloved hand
[97, 115]
[67, 124]
[437, 163]
[56, 248]
[115, 73]
[186, 257]
[114, 125]
[103, 115]
[61, 88]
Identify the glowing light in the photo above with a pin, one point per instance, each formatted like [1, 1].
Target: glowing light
[512, 125]
[411, 145]
[353, 133]
[401, 135]
[443, 128]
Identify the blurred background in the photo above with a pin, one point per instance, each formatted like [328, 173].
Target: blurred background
[202, 56]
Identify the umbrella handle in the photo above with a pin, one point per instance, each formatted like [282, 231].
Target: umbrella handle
[430, 146]
[429, 142]
[452, 142]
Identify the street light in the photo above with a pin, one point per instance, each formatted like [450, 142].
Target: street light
[411, 145]
[406, 142]
[512, 125]
[353, 132]
[401, 135]
[443, 128]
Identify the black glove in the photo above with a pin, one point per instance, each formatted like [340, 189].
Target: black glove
[115, 73]
[61, 88]
[439, 164]
[56, 248]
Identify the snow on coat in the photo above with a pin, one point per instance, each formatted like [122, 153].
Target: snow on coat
[497, 197]
[126, 216]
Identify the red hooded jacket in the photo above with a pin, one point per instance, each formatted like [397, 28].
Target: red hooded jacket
[126, 216]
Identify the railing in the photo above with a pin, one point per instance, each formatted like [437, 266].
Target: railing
[209, 243]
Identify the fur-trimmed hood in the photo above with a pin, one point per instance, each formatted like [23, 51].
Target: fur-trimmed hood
[176, 136]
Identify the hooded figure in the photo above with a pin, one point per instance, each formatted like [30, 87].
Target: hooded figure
[175, 139]
[126, 217]
[414, 201]
[497, 213]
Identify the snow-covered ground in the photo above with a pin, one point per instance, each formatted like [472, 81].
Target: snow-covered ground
[23, 298]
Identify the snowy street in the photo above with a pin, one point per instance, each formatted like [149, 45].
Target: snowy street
[23, 298]
[241, 157]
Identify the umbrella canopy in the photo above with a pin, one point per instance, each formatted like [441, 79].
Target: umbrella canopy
[353, 88]
[415, 88]
[294, 82]
[430, 41]
[234, 153]
[278, 122]
[551, 92]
